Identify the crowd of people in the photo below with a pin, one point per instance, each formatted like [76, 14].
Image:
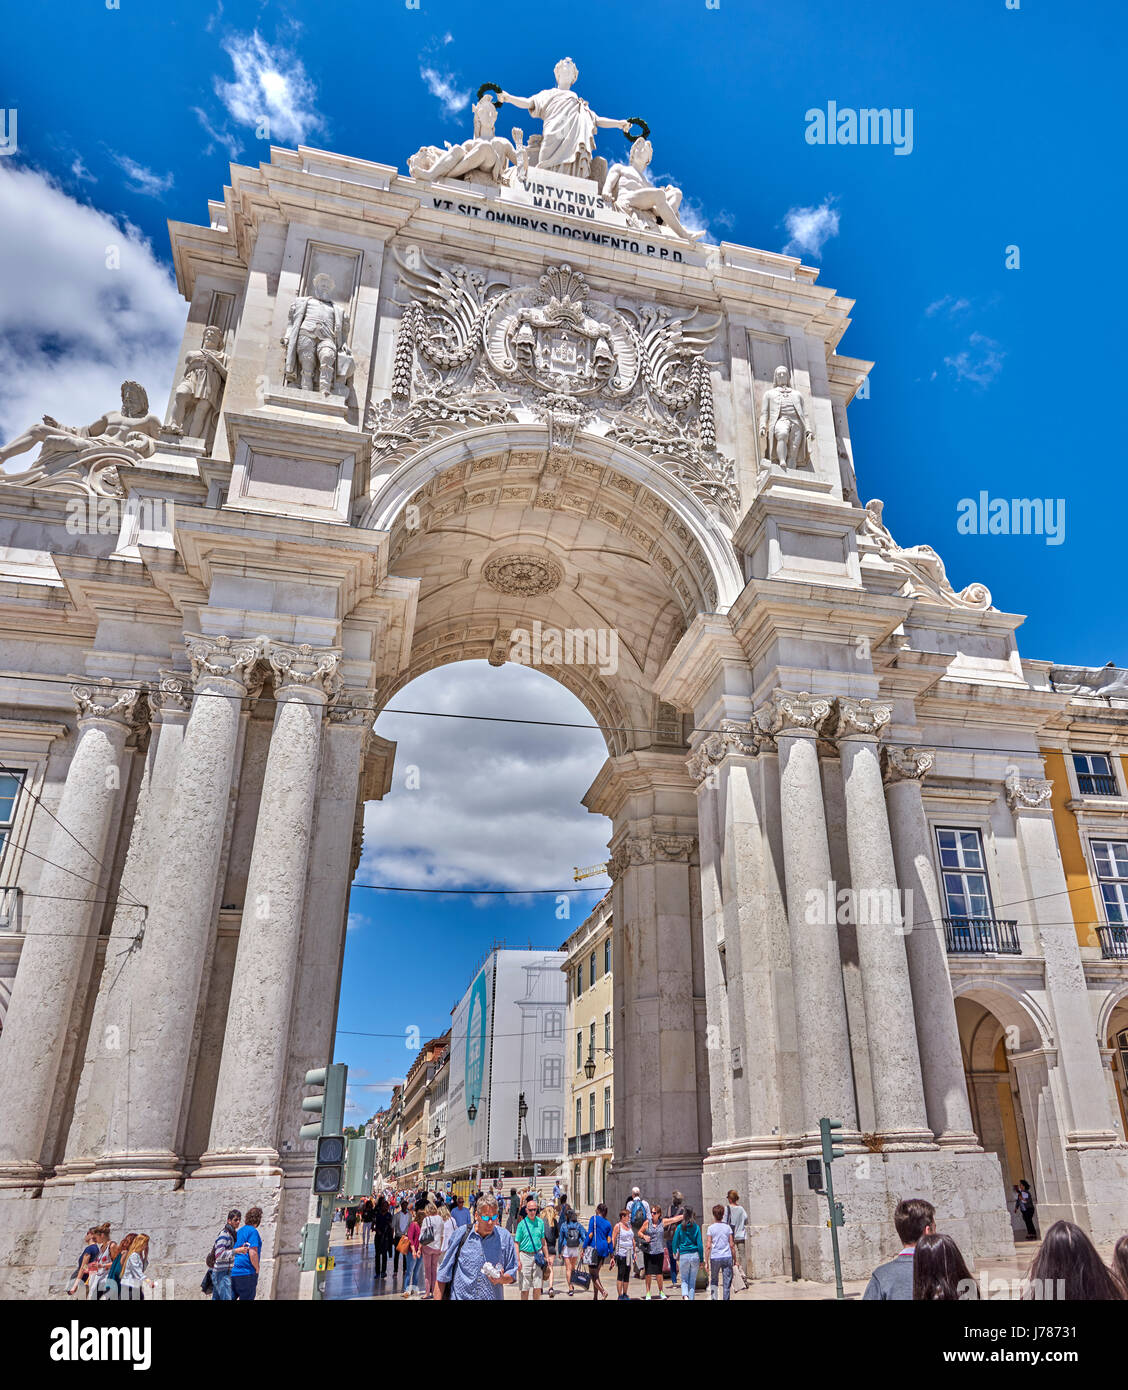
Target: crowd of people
[111, 1268]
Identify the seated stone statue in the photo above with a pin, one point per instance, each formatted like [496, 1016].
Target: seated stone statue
[131, 428]
[628, 189]
[486, 156]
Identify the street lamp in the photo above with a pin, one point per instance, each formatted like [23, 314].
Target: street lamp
[522, 1111]
[589, 1066]
[436, 1131]
[471, 1111]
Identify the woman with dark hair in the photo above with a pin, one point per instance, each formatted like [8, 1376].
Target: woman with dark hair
[381, 1237]
[1068, 1267]
[597, 1247]
[1120, 1264]
[939, 1271]
[1024, 1205]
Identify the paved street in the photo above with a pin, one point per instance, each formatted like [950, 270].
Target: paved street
[352, 1277]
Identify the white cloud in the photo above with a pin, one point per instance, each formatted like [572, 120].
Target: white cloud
[81, 172]
[71, 329]
[271, 85]
[141, 178]
[442, 86]
[498, 805]
[980, 362]
[949, 305]
[224, 137]
[808, 229]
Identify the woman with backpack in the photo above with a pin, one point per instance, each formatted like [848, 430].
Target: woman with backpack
[571, 1245]
[117, 1264]
[597, 1247]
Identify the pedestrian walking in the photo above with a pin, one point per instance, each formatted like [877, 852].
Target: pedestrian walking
[737, 1218]
[367, 1212]
[571, 1245]
[222, 1258]
[623, 1244]
[1024, 1205]
[400, 1223]
[639, 1210]
[459, 1213]
[413, 1258]
[381, 1237]
[430, 1244]
[248, 1250]
[893, 1281]
[676, 1208]
[133, 1270]
[120, 1253]
[552, 1224]
[350, 1222]
[652, 1236]
[99, 1266]
[688, 1248]
[598, 1247]
[719, 1254]
[480, 1259]
[88, 1254]
[532, 1252]
[940, 1273]
[513, 1214]
[1069, 1267]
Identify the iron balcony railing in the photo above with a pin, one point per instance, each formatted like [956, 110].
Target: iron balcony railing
[585, 1143]
[572, 1147]
[601, 1139]
[548, 1146]
[1096, 784]
[981, 936]
[1114, 942]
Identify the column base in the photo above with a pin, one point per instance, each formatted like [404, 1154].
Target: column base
[960, 1143]
[900, 1141]
[155, 1165]
[240, 1164]
[17, 1173]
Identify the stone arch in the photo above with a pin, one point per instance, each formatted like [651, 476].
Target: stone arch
[1013, 1008]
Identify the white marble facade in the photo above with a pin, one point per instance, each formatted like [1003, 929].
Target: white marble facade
[513, 402]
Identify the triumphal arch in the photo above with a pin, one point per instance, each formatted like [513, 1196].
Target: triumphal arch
[414, 414]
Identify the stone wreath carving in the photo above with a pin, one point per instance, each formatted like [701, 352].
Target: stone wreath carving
[524, 575]
[471, 352]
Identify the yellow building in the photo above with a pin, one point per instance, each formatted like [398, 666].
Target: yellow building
[1088, 765]
[589, 1117]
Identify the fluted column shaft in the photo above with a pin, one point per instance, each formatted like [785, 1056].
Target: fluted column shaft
[245, 1118]
[898, 1090]
[147, 1106]
[938, 1035]
[822, 1032]
[108, 1043]
[67, 911]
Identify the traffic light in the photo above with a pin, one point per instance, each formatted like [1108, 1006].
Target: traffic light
[814, 1175]
[329, 1165]
[826, 1130]
[360, 1168]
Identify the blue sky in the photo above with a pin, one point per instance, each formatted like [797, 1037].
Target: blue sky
[986, 378]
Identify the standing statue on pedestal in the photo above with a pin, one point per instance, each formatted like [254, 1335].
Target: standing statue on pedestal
[315, 337]
[783, 424]
[195, 402]
[132, 427]
[628, 189]
[569, 123]
[486, 155]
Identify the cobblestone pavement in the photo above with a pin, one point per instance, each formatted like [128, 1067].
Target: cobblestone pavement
[352, 1277]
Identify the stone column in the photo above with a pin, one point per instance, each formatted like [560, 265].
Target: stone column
[150, 1095]
[68, 909]
[252, 1072]
[816, 966]
[108, 1044]
[938, 1034]
[898, 1090]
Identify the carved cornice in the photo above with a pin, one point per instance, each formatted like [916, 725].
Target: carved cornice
[638, 850]
[318, 668]
[787, 712]
[714, 748]
[105, 699]
[1028, 793]
[906, 764]
[857, 719]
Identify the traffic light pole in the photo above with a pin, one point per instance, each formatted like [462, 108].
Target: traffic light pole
[325, 1227]
[832, 1209]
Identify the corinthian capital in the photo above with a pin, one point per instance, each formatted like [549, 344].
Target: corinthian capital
[220, 656]
[318, 668]
[906, 764]
[172, 694]
[715, 747]
[787, 712]
[1027, 793]
[863, 718]
[664, 848]
[105, 699]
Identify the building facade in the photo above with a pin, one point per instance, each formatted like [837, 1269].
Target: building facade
[590, 1113]
[444, 416]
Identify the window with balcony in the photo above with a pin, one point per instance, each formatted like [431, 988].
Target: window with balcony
[1095, 775]
[579, 1115]
[607, 1107]
[591, 1111]
[1111, 860]
[970, 925]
